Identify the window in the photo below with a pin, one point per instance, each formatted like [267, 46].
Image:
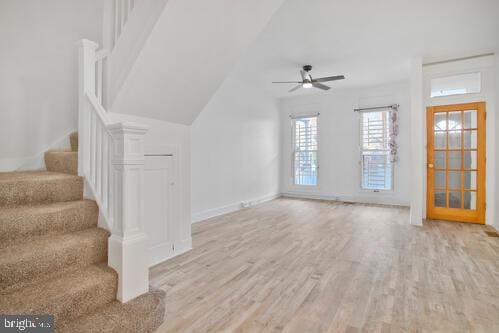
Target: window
[305, 151]
[456, 85]
[376, 163]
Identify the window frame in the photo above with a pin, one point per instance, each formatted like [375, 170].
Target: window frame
[361, 156]
[293, 120]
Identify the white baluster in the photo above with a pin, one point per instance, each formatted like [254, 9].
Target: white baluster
[126, 11]
[117, 24]
[110, 190]
[98, 87]
[105, 171]
[122, 15]
[98, 154]
[93, 162]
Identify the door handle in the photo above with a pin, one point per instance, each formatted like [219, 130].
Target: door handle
[430, 166]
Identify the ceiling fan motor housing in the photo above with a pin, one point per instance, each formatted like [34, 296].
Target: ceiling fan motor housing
[307, 68]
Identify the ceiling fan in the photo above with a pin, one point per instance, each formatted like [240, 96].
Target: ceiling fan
[308, 82]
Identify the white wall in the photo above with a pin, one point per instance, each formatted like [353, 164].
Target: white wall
[235, 150]
[496, 189]
[39, 66]
[339, 157]
[167, 138]
[417, 141]
[486, 66]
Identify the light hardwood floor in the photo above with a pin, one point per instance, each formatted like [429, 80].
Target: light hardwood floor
[313, 266]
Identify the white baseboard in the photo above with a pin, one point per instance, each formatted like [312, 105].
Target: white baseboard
[201, 216]
[167, 250]
[381, 200]
[37, 161]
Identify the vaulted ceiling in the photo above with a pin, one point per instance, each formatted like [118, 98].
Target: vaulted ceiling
[369, 41]
[192, 48]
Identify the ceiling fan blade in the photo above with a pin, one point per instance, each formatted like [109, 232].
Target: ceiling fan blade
[329, 78]
[320, 86]
[295, 88]
[286, 82]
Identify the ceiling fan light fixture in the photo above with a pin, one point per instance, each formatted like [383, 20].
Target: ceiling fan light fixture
[307, 82]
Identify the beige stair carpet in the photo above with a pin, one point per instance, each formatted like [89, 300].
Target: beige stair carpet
[53, 257]
[73, 140]
[62, 161]
[21, 226]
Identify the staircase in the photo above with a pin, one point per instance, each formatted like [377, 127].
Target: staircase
[53, 256]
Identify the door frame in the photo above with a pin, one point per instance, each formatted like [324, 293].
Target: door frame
[457, 214]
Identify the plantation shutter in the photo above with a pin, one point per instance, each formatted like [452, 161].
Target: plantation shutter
[305, 150]
[376, 160]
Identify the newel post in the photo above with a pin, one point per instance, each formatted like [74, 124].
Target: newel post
[128, 245]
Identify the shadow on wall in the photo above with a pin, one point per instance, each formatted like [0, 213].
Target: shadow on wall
[38, 85]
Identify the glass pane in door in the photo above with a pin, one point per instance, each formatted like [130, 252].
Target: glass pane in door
[440, 160]
[470, 159]
[440, 198]
[455, 159]
[470, 139]
[470, 119]
[470, 200]
[439, 179]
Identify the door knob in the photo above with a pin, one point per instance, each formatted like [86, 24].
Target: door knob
[430, 166]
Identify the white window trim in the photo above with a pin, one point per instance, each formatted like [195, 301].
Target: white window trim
[360, 169]
[293, 185]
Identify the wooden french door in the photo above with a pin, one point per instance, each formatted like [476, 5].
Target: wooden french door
[456, 162]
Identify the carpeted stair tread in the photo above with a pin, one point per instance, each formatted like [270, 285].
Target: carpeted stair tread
[25, 264]
[62, 161]
[73, 139]
[23, 224]
[67, 297]
[38, 187]
[53, 257]
[143, 314]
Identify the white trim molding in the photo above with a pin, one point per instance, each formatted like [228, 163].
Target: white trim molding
[222, 210]
[377, 198]
[168, 250]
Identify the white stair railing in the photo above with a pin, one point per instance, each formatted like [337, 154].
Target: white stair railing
[122, 11]
[111, 160]
[116, 16]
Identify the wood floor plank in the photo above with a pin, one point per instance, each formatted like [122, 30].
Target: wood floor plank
[294, 265]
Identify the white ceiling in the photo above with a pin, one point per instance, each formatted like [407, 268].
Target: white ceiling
[369, 41]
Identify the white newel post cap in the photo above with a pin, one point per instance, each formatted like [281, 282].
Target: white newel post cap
[128, 128]
[85, 43]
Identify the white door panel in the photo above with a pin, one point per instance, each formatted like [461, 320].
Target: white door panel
[159, 207]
